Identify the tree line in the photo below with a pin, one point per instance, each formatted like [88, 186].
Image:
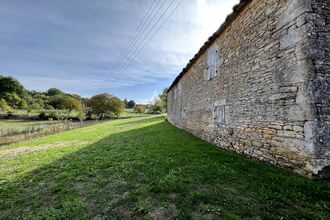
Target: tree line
[13, 95]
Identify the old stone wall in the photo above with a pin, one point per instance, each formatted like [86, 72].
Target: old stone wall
[272, 81]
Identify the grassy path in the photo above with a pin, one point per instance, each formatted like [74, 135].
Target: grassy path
[144, 168]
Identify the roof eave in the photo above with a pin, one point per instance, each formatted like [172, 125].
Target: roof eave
[230, 18]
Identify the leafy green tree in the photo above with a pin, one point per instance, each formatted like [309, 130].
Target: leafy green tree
[9, 85]
[139, 109]
[82, 116]
[125, 102]
[4, 106]
[106, 105]
[14, 100]
[54, 92]
[66, 102]
[131, 104]
[41, 100]
[157, 106]
[32, 103]
[76, 96]
[163, 99]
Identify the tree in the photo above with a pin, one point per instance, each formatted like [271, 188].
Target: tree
[41, 100]
[54, 91]
[139, 109]
[66, 102]
[14, 100]
[9, 85]
[32, 103]
[4, 105]
[106, 106]
[157, 106]
[131, 104]
[163, 99]
[125, 102]
[13, 92]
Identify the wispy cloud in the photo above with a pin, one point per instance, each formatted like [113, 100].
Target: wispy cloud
[74, 45]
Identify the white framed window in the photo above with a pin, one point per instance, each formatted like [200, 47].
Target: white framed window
[219, 114]
[212, 57]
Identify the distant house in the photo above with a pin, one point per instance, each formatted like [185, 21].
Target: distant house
[261, 85]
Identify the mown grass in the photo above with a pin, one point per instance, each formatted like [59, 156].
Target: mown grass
[144, 168]
[129, 113]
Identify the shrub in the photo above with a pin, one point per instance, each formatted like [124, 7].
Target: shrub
[54, 115]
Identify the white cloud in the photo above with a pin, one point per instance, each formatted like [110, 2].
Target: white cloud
[76, 44]
[152, 98]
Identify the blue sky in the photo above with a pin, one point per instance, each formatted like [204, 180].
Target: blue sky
[78, 45]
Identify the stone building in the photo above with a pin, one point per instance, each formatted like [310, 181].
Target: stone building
[261, 85]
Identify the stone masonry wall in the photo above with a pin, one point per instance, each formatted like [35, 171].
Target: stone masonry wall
[273, 80]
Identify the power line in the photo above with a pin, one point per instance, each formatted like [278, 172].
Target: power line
[139, 28]
[127, 61]
[145, 22]
[136, 52]
[145, 28]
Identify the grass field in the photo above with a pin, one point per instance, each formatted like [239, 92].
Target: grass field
[144, 168]
[129, 112]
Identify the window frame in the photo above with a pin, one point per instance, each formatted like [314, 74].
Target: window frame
[211, 63]
[217, 117]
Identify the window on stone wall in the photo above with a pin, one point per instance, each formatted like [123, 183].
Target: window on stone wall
[184, 113]
[219, 114]
[212, 57]
[179, 88]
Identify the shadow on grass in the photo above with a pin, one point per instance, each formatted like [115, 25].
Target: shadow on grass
[161, 172]
[143, 120]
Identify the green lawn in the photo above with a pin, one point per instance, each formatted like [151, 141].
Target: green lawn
[144, 168]
[129, 113]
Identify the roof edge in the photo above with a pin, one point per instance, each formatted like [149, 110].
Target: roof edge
[230, 18]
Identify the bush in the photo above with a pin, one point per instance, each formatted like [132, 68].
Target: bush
[109, 115]
[53, 115]
[91, 116]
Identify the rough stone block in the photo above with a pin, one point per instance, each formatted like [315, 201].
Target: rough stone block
[274, 84]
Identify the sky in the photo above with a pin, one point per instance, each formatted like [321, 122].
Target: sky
[129, 48]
